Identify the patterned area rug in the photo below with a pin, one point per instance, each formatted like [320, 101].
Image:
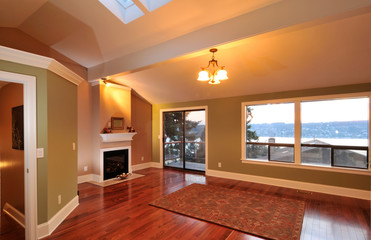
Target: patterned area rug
[260, 215]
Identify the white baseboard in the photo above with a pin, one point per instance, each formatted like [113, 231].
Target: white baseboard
[145, 165]
[14, 213]
[141, 166]
[47, 228]
[340, 191]
[88, 178]
[157, 165]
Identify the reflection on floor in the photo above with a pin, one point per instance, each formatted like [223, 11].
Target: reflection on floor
[188, 165]
[10, 229]
[122, 211]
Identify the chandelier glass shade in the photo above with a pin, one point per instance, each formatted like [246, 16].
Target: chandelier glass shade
[212, 73]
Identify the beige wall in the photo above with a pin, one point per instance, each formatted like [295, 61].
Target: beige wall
[11, 160]
[114, 102]
[85, 124]
[224, 139]
[141, 117]
[15, 38]
[107, 102]
[95, 130]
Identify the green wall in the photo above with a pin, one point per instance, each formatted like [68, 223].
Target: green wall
[62, 132]
[224, 138]
[56, 130]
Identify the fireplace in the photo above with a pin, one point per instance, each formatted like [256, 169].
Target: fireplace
[114, 161]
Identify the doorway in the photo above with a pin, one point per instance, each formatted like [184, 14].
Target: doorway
[11, 161]
[184, 139]
[29, 115]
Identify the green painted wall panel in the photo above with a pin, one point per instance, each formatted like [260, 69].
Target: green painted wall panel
[224, 131]
[62, 132]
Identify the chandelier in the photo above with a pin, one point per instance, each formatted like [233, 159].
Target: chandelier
[215, 74]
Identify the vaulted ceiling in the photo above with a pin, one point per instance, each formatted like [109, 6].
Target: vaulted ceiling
[266, 45]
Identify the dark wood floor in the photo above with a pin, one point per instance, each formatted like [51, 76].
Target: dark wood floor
[122, 212]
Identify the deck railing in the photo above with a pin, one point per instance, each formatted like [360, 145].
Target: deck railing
[331, 148]
[191, 154]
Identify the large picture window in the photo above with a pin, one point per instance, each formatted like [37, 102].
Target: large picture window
[270, 132]
[329, 133]
[335, 132]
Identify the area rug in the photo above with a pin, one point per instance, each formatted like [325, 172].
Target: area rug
[261, 215]
[116, 180]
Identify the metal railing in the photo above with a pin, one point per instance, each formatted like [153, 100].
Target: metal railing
[181, 149]
[331, 147]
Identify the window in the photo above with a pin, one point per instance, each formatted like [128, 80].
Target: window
[335, 132]
[270, 132]
[127, 10]
[330, 132]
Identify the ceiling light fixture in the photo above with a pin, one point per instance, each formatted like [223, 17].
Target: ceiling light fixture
[215, 74]
[106, 82]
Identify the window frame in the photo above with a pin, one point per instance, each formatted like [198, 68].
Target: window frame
[297, 134]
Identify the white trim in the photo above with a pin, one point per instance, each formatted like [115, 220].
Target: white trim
[146, 165]
[87, 178]
[297, 145]
[96, 177]
[15, 214]
[94, 82]
[102, 150]
[47, 228]
[30, 139]
[141, 166]
[17, 56]
[117, 137]
[156, 165]
[339, 191]
[206, 131]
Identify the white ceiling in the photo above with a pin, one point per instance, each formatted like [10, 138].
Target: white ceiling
[266, 45]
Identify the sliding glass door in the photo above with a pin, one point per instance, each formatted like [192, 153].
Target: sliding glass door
[184, 139]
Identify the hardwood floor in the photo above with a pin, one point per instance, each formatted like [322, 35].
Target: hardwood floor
[122, 212]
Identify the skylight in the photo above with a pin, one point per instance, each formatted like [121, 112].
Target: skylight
[127, 10]
[152, 5]
[126, 3]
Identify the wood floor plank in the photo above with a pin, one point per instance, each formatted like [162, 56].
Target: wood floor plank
[122, 211]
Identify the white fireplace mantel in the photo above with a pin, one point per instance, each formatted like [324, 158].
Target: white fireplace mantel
[117, 137]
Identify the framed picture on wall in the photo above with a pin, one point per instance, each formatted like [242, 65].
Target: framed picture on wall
[117, 123]
[17, 128]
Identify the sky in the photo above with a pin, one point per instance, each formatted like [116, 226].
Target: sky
[197, 116]
[343, 110]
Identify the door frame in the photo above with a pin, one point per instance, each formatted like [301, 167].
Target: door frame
[30, 139]
[161, 136]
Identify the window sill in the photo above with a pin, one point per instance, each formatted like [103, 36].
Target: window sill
[318, 168]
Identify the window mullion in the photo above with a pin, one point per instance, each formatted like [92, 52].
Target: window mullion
[297, 125]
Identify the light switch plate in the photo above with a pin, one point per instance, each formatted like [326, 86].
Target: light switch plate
[40, 153]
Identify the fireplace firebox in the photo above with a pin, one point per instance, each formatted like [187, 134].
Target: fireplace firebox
[115, 163]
